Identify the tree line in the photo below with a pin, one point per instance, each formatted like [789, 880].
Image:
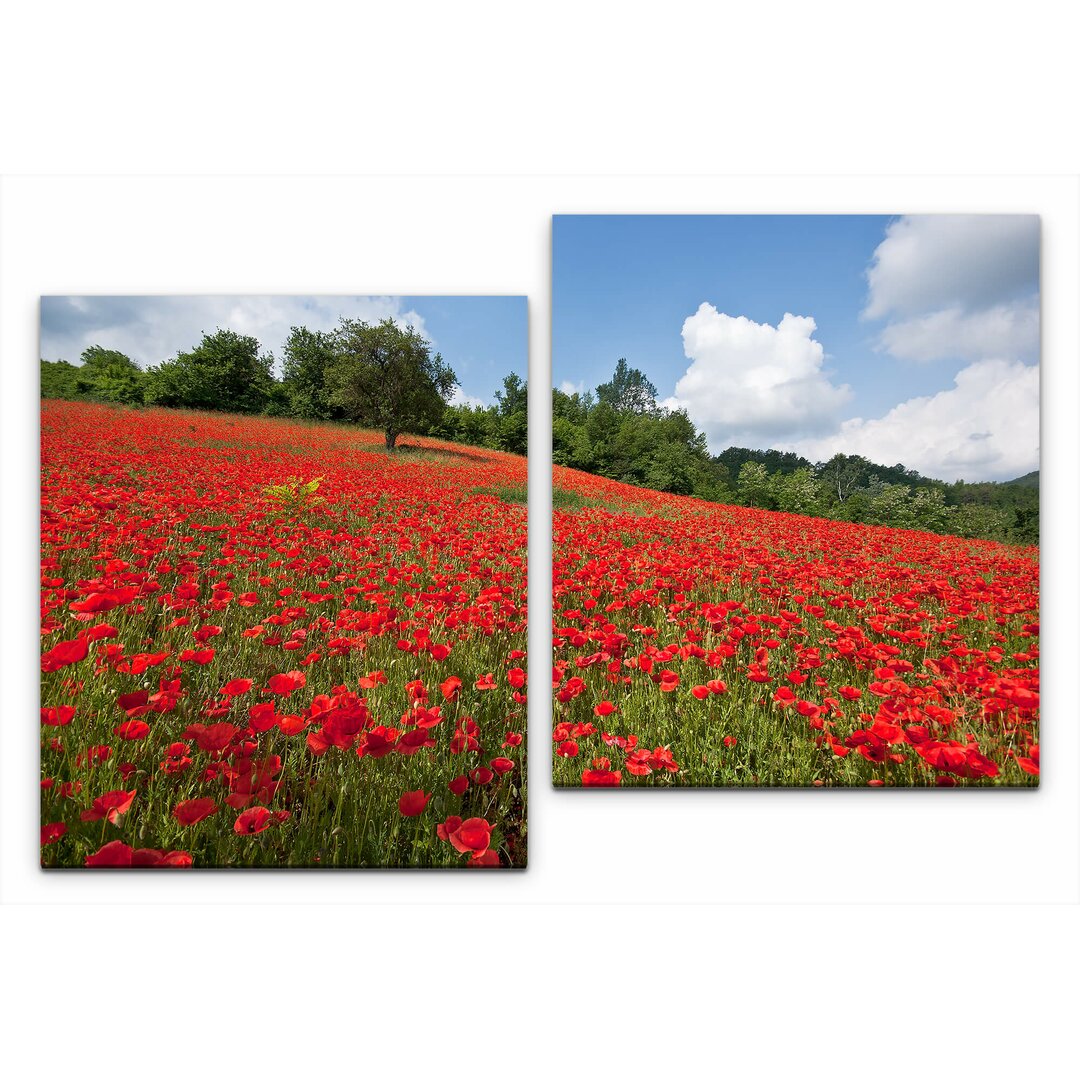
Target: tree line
[380, 375]
[622, 432]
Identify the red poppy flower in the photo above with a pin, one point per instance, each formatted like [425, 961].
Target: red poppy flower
[459, 785]
[486, 858]
[601, 778]
[373, 679]
[262, 717]
[450, 687]
[58, 716]
[132, 730]
[114, 853]
[412, 803]
[252, 821]
[668, 681]
[212, 739]
[374, 744]
[471, 836]
[1030, 763]
[64, 653]
[109, 806]
[51, 833]
[153, 857]
[134, 700]
[192, 810]
[286, 683]
[414, 741]
[445, 828]
[639, 763]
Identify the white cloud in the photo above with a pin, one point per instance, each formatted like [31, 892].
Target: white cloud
[1003, 330]
[930, 262]
[986, 427]
[150, 329]
[568, 387]
[750, 383]
[458, 397]
[957, 287]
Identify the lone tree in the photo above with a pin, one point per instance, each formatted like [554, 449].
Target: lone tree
[386, 377]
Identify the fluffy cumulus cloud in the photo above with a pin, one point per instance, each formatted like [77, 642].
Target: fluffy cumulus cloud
[751, 384]
[150, 329]
[568, 387]
[1004, 329]
[985, 427]
[957, 286]
[460, 398]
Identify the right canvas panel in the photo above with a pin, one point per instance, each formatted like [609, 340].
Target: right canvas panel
[796, 500]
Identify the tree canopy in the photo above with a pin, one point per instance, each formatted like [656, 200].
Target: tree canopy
[385, 376]
[224, 372]
[102, 375]
[306, 356]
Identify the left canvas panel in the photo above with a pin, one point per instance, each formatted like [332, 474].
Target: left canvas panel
[283, 581]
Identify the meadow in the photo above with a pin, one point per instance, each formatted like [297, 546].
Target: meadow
[269, 643]
[709, 645]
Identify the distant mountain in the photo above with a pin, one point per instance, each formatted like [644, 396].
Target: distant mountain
[1028, 480]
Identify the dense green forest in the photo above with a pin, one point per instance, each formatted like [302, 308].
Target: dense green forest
[623, 433]
[321, 378]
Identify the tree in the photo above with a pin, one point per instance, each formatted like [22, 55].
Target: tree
[672, 467]
[841, 473]
[513, 415]
[225, 371]
[890, 504]
[628, 392]
[386, 377]
[929, 510]
[58, 380]
[514, 396]
[570, 444]
[797, 492]
[753, 483]
[572, 407]
[980, 522]
[306, 355]
[109, 375]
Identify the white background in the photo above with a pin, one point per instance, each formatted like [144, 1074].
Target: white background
[755, 932]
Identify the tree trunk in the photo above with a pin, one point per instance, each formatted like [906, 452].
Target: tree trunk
[391, 441]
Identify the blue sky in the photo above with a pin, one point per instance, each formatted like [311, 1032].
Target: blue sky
[483, 338]
[923, 345]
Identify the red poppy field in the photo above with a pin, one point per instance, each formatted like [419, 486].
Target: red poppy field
[267, 643]
[708, 645]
